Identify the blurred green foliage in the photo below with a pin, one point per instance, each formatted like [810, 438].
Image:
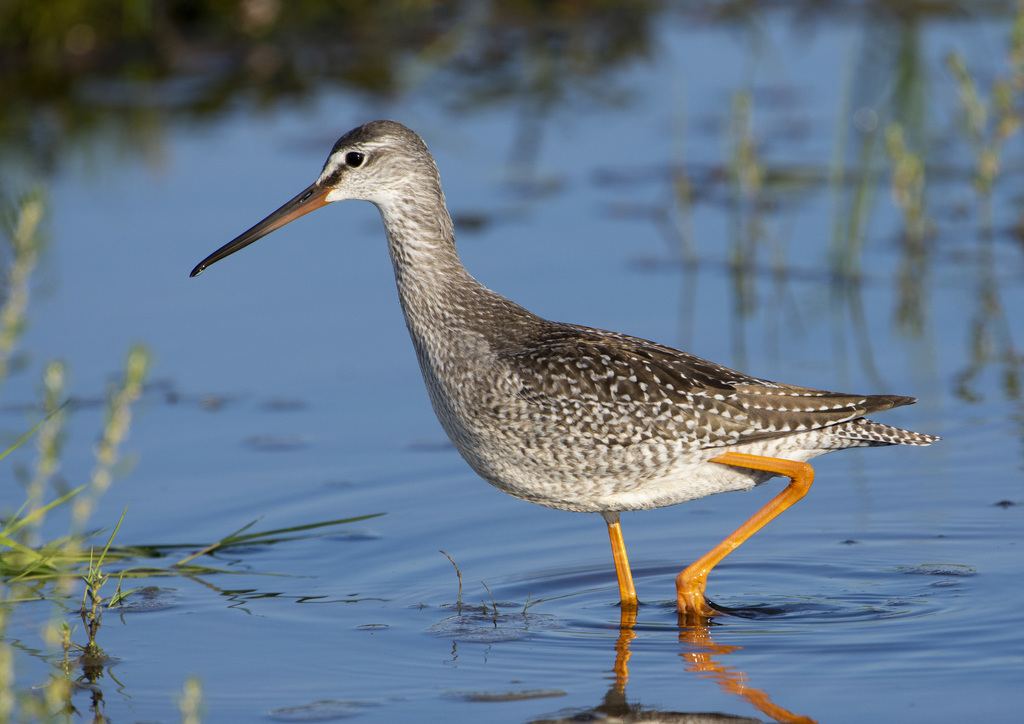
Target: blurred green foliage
[75, 70]
[72, 68]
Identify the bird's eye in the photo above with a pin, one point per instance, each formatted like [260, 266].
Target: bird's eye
[354, 159]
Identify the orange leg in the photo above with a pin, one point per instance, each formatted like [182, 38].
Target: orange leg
[690, 583]
[627, 592]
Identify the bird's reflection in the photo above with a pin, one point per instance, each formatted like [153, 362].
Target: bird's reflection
[703, 656]
[704, 659]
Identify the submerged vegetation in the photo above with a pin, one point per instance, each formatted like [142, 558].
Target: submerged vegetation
[24, 560]
[33, 568]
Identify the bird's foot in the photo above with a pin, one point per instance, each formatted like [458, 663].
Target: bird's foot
[690, 600]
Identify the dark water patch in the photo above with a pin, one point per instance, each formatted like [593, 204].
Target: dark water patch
[322, 710]
[147, 599]
[432, 445]
[214, 402]
[282, 404]
[276, 443]
[940, 569]
[628, 714]
[489, 626]
[820, 609]
[353, 535]
[504, 696]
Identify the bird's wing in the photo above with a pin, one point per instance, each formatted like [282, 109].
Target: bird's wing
[626, 390]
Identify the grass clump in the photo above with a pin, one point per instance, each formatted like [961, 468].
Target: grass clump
[989, 122]
[72, 573]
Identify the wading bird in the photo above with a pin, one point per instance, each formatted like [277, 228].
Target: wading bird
[571, 417]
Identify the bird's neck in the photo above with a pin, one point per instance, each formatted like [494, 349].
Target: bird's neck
[436, 291]
[452, 318]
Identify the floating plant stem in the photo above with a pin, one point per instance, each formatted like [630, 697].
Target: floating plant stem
[458, 573]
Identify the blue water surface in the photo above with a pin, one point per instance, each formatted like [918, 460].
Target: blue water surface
[285, 390]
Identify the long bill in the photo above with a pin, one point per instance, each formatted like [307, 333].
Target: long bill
[310, 199]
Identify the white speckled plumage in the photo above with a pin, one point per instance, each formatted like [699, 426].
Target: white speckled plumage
[566, 416]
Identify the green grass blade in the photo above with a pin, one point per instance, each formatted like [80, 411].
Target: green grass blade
[21, 440]
[269, 536]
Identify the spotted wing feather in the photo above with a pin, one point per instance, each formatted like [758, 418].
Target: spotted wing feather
[623, 390]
